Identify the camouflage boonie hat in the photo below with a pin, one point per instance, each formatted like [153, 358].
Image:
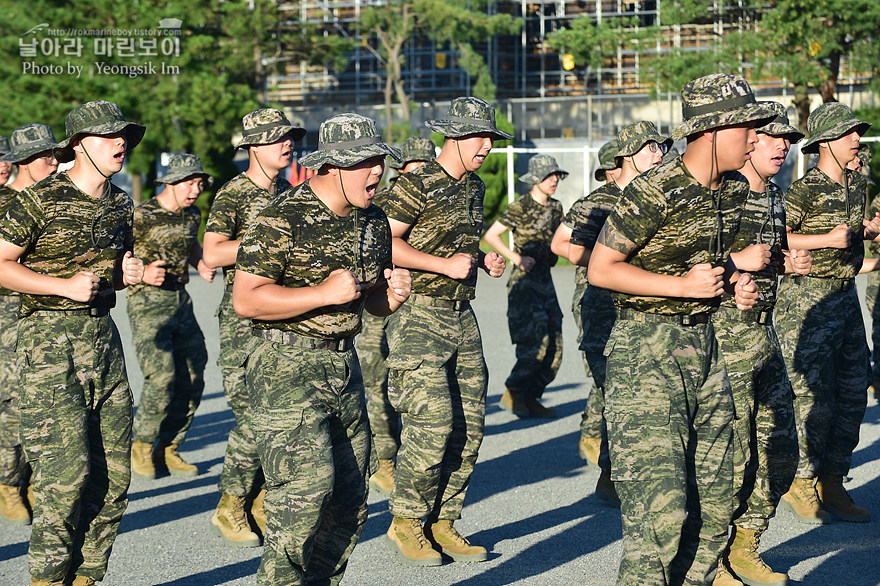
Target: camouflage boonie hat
[182, 167]
[541, 167]
[607, 159]
[414, 149]
[266, 126]
[715, 101]
[829, 122]
[99, 118]
[29, 140]
[780, 126]
[468, 116]
[4, 145]
[633, 137]
[345, 140]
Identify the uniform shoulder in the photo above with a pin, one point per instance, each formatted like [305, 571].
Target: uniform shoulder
[234, 186]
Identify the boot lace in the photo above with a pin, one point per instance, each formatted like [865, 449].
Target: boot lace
[414, 531]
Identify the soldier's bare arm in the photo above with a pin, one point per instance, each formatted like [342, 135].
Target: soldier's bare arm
[386, 300]
[838, 237]
[493, 239]
[609, 269]
[458, 266]
[82, 287]
[263, 298]
[219, 250]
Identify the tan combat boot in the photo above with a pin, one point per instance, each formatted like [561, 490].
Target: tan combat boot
[406, 538]
[142, 460]
[803, 502]
[38, 582]
[588, 449]
[383, 480]
[83, 581]
[746, 562]
[834, 497]
[605, 490]
[723, 577]
[230, 522]
[514, 403]
[444, 537]
[176, 465]
[258, 511]
[537, 410]
[32, 500]
[13, 511]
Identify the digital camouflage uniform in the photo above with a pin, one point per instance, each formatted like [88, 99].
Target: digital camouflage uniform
[764, 439]
[25, 142]
[872, 292]
[169, 343]
[820, 325]
[372, 348]
[595, 308]
[666, 385]
[534, 318]
[233, 211]
[306, 387]
[438, 377]
[13, 466]
[76, 405]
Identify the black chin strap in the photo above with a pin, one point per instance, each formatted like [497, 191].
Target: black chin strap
[272, 182]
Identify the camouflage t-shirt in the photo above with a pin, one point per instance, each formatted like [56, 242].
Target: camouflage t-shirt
[815, 204]
[671, 219]
[235, 206]
[7, 196]
[445, 219]
[532, 225]
[763, 222]
[297, 241]
[65, 231]
[586, 218]
[160, 234]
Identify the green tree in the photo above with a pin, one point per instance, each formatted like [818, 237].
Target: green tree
[389, 27]
[226, 50]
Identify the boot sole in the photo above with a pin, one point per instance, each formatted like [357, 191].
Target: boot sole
[847, 518]
[140, 476]
[230, 543]
[751, 582]
[185, 473]
[395, 549]
[383, 491]
[801, 519]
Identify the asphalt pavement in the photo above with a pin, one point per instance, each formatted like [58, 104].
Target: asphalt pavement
[530, 501]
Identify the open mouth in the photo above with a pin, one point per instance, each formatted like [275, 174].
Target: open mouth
[119, 156]
[371, 190]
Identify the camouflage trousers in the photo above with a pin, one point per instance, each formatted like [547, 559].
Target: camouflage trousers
[437, 382]
[171, 352]
[313, 438]
[670, 424]
[384, 421]
[534, 320]
[14, 469]
[241, 472]
[598, 315]
[765, 444]
[826, 354]
[871, 297]
[76, 411]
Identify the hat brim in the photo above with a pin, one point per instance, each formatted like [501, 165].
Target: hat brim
[460, 129]
[272, 135]
[811, 145]
[348, 157]
[754, 112]
[170, 178]
[23, 154]
[778, 130]
[134, 134]
[533, 179]
[404, 160]
[641, 144]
